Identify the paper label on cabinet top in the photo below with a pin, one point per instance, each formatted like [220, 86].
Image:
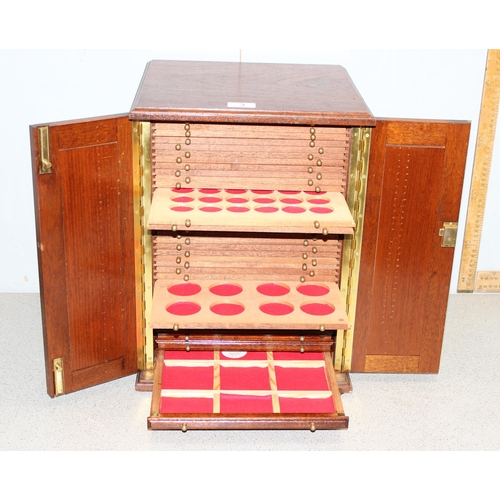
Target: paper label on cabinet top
[241, 105]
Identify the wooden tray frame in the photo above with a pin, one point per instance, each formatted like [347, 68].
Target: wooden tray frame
[204, 421]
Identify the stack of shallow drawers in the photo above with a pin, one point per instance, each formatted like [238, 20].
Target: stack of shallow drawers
[247, 227]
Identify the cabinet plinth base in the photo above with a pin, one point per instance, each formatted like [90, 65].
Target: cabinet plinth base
[144, 381]
[344, 382]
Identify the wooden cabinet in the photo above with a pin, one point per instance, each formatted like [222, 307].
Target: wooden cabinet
[237, 233]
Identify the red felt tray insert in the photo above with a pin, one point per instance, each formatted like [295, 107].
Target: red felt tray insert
[253, 382]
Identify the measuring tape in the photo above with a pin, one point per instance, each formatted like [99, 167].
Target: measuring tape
[481, 172]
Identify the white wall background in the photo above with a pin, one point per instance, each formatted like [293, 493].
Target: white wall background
[39, 86]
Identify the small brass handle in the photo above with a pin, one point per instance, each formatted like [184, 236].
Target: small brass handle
[313, 427]
[184, 427]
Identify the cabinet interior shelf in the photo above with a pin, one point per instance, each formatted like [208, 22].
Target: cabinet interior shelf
[247, 305]
[250, 210]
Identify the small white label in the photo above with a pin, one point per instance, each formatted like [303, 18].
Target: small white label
[241, 105]
[234, 354]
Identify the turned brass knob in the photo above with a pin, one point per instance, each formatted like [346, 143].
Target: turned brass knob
[313, 427]
[301, 349]
[184, 427]
[188, 223]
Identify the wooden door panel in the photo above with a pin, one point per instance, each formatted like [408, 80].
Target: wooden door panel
[414, 185]
[411, 201]
[85, 232]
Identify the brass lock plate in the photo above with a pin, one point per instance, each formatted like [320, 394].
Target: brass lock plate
[448, 234]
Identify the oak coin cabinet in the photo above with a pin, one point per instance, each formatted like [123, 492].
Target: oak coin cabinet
[242, 239]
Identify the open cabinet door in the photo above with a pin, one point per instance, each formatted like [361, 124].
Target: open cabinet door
[83, 186]
[415, 180]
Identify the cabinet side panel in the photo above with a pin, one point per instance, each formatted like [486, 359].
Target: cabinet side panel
[88, 294]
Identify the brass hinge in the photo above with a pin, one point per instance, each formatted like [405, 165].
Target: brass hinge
[351, 256]
[448, 234]
[58, 369]
[43, 139]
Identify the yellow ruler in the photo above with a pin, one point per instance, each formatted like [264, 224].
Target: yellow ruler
[481, 172]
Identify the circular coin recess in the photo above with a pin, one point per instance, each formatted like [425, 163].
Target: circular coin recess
[313, 290]
[273, 289]
[226, 289]
[184, 289]
[317, 308]
[321, 210]
[183, 308]
[276, 308]
[227, 308]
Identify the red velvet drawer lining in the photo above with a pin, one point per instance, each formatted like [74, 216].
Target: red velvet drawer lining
[259, 382]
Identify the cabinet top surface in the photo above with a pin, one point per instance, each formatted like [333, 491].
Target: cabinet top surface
[230, 92]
